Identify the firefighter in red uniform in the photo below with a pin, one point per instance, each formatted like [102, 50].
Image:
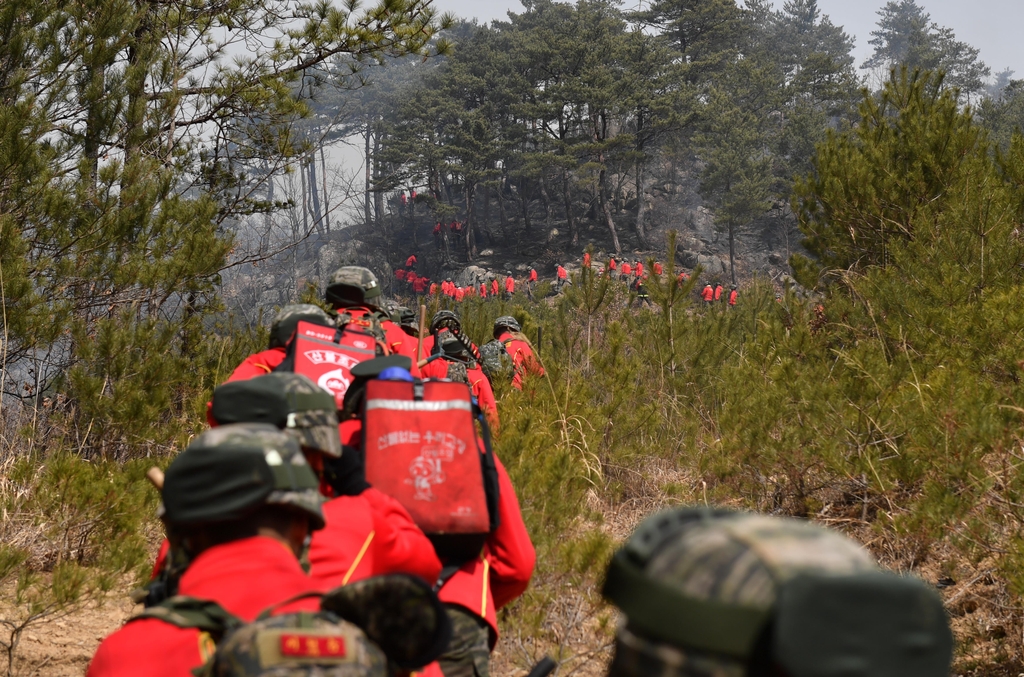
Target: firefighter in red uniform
[495, 289]
[718, 291]
[352, 291]
[612, 272]
[626, 269]
[531, 283]
[586, 259]
[483, 290]
[638, 268]
[443, 325]
[433, 289]
[460, 294]
[420, 285]
[732, 295]
[561, 276]
[482, 586]
[437, 235]
[508, 331]
[658, 270]
[411, 261]
[242, 526]
[510, 285]
[708, 294]
[477, 589]
[281, 330]
[367, 532]
[400, 275]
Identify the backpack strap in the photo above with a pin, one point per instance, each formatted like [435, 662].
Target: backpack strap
[191, 612]
[269, 611]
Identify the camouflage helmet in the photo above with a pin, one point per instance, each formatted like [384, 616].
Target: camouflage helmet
[352, 286]
[289, 401]
[408, 318]
[506, 322]
[297, 645]
[446, 319]
[715, 593]
[289, 316]
[451, 346]
[230, 471]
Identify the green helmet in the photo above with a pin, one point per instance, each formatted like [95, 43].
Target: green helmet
[352, 286]
[506, 322]
[289, 401]
[230, 471]
[445, 319]
[297, 645]
[408, 318]
[714, 593]
[289, 316]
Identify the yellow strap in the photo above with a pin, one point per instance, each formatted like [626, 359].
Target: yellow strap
[487, 579]
[264, 367]
[359, 558]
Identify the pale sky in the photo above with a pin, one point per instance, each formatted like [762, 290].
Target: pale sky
[993, 26]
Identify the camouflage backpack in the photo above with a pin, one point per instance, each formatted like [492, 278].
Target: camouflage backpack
[365, 629]
[495, 360]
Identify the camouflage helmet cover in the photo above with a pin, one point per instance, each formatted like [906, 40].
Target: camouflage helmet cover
[506, 322]
[289, 316]
[292, 402]
[228, 472]
[298, 645]
[717, 571]
[352, 286]
[446, 319]
[407, 317]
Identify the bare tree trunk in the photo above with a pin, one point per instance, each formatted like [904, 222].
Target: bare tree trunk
[732, 252]
[524, 202]
[641, 203]
[378, 196]
[606, 208]
[574, 232]
[323, 182]
[546, 199]
[305, 201]
[314, 194]
[369, 171]
[471, 237]
[502, 215]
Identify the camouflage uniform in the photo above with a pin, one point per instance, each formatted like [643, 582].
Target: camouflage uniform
[703, 565]
[200, 486]
[288, 318]
[289, 401]
[469, 652]
[297, 645]
[352, 286]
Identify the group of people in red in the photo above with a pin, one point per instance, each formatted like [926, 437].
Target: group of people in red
[712, 294]
[454, 233]
[356, 530]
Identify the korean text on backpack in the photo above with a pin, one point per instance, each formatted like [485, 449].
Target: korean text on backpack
[422, 448]
[327, 355]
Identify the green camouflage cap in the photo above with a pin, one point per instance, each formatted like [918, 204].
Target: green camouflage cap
[230, 471]
[408, 318]
[288, 318]
[297, 645]
[289, 401]
[352, 286]
[713, 593]
[506, 322]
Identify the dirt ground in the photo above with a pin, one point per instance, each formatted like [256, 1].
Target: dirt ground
[62, 646]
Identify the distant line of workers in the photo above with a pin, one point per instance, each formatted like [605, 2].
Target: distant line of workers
[634, 274]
